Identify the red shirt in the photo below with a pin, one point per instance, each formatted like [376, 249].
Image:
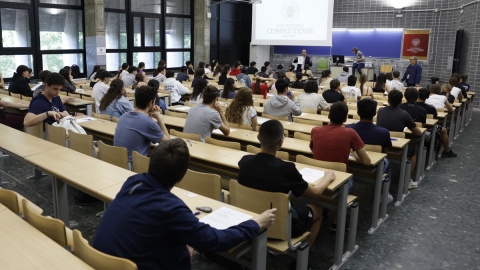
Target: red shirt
[333, 143]
[235, 72]
[263, 90]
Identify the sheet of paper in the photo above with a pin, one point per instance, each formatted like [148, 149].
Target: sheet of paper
[36, 86]
[225, 218]
[85, 119]
[261, 120]
[219, 132]
[311, 175]
[80, 90]
[351, 156]
[184, 108]
[303, 114]
[190, 194]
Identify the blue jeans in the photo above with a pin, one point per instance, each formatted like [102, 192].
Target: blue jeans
[358, 66]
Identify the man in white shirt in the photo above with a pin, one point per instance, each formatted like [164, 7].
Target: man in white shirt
[129, 78]
[396, 83]
[208, 69]
[176, 88]
[437, 100]
[350, 91]
[100, 88]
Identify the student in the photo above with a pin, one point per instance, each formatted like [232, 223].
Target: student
[326, 76]
[223, 76]
[334, 94]
[123, 70]
[218, 71]
[206, 117]
[136, 129]
[359, 61]
[417, 113]
[281, 104]
[264, 171]
[343, 76]
[158, 101]
[182, 76]
[269, 70]
[96, 68]
[199, 74]
[241, 109]
[101, 88]
[438, 100]
[281, 75]
[196, 97]
[47, 106]
[311, 100]
[129, 78]
[381, 84]
[279, 69]
[263, 72]
[350, 91]
[459, 84]
[389, 77]
[229, 89]
[442, 135]
[176, 88]
[96, 77]
[201, 65]
[366, 91]
[396, 83]
[208, 69]
[291, 72]
[161, 63]
[235, 70]
[69, 84]
[308, 72]
[298, 82]
[395, 119]
[42, 76]
[115, 103]
[19, 83]
[189, 65]
[252, 69]
[463, 83]
[455, 93]
[139, 81]
[161, 75]
[244, 78]
[261, 86]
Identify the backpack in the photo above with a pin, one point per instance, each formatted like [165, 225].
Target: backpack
[69, 123]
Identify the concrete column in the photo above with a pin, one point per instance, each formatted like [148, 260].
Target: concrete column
[201, 26]
[95, 34]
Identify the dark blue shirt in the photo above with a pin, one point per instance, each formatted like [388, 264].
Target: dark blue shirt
[372, 134]
[149, 225]
[181, 77]
[415, 73]
[40, 104]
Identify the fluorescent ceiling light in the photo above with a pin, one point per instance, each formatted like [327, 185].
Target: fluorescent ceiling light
[389, 29]
[399, 4]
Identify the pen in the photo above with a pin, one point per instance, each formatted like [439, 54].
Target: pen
[196, 213]
[394, 139]
[189, 142]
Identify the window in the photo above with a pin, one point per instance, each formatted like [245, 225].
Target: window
[177, 59]
[147, 6]
[115, 4]
[152, 32]
[15, 28]
[150, 59]
[62, 2]
[9, 63]
[115, 60]
[115, 30]
[55, 62]
[60, 29]
[178, 7]
[178, 33]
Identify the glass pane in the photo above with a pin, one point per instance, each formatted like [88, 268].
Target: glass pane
[9, 63]
[15, 28]
[178, 34]
[60, 29]
[55, 62]
[150, 59]
[115, 60]
[147, 6]
[177, 59]
[117, 4]
[17, 1]
[115, 30]
[62, 2]
[137, 32]
[152, 32]
[178, 7]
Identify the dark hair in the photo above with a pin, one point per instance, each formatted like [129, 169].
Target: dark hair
[67, 68]
[270, 134]
[210, 93]
[160, 69]
[306, 67]
[266, 64]
[299, 76]
[132, 69]
[97, 76]
[453, 80]
[139, 77]
[423, 94]
[55, 79]
[435, 89]
[21, 69]
[396, 74]
[311, 86]
[199, 72]
[389, 76]
[334, 84]
[281, 85]
[30, 70]
[228, 87]
[366, 108]
[104, 74]
[143, 96]
[217, 70]
[281, 75]
[253, 63]
[256, 89]
[345, 68]
[114, 92]
[140, 65]
[243, 70]
[395, 97]
[188, 63]
[169, 74]
[208, 65]
[326, 73]
[338, 112]
[96, 68]
[280, 66]
[169, 162]
[161, 63]
[183, 69]
[380, 83]
[125, 66]
[201, 65]
[225, 70]
[291, 68]
[263, 69]
[362, 80]
[236, 65]
[198, 88]
[154, 84]
[411, 94]
[43, 75]
[464, 77]
[65, 74]
[352, 80]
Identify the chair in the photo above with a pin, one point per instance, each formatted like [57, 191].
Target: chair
[97, 259]
[102, 116]
[9, 199]
[205, 184]
[57, 135]
[36, 130]
[314, 111]
[373, 148]
[115, 119]
[397, 134]
[241, 126]
[337, 166]
[15, 95]
[430, 116]
[279, 118]
[419, 124]
[302, 136]
[140, 162]
[74, 95]
[82, 143]
[280, 154]
[440, 110]
[176, 114]
[325, 113]
[231, 145]
[257, 96]
[317, 123]
[114, 155]
[190, 136]
[26, 98]
[322, 65]
[90, 99]
[386, 69]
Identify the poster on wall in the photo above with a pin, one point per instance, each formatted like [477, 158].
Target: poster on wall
[415, 43]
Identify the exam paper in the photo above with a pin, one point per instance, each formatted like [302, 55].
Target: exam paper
[225, 218]
[261, 120]
[219, 132]
[85, 119]
[184, 108]
[311, 175]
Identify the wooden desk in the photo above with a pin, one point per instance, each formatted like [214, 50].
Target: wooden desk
[16, 101]
[83, 92]
[24, 247]
[78, 104]
[3, 208]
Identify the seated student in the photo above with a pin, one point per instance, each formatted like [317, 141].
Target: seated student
[437, 99]
[196, 97]
[158, 101]
[326, 76]
[136, 129]
[129, 78]
[396, 83]
[182, 76]
[162, 226]
[47, 106]
[307, 71]
[201, 65]
[101, 88]
[417, 113]
[96, 68]
[96, 77]
[395, 119]
[199, 74]
[463, 83]
[264, 171]
[252, 69]
[335, 93]
[460, 85]
[161, 74]
[281, 104]
[42, 76]
[69, 83]
[343, 76]
[366, 91]
[261, 86]
[235, 70]
[442, 135]
[381, 84]
[139, 81]
[279, 69]
[389, 77]
[141, 70]
[455, 92]
[311, 100]
[206, 117]
[217, 71]
[281, 75]
[263, 72]
[333, 142]
[269, 70]
[190, 70]
[241, 109]
[244, 78]
[291, 73]
[223, 75]
[176, 88]
[350, 91]
[122, 71]
[298, 82]
[229, 89]
[208, 69]
[19, 83]
[115, 103]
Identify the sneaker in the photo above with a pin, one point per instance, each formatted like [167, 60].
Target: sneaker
[412, 185]
[390, 198]
[449, 153]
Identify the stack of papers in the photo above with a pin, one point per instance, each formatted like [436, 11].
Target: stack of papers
[225, 218]
[311, 175]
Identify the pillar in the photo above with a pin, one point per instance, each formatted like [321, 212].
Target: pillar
[201, 50]
[95, 34]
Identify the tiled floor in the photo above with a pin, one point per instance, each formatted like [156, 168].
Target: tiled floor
[435, 228]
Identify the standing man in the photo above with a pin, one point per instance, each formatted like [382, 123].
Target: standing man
[413, 74]
[306, 60]
[359, 61]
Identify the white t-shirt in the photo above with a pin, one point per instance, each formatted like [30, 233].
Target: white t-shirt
[397, 85]
[99, 90]
[197, 100]
[93, 76]
[311, 101]
[208, 71]
[455, 91]
[437, 101]
[248, 115]
[351, 92]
